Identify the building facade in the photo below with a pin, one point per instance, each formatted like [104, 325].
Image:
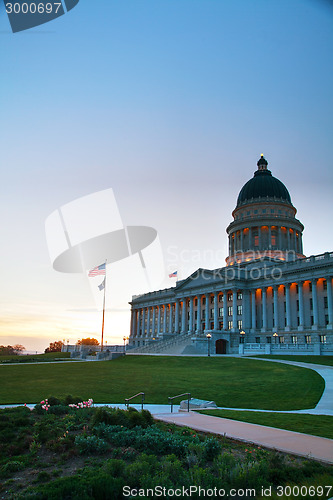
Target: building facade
[269, 296]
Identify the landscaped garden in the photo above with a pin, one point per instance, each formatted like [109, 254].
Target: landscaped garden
[65, 450]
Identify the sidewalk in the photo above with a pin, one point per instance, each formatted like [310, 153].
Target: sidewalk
[269, 437]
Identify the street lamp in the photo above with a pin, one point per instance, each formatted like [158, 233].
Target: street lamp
[124, 339]
[242, 337]
[67, 344]
[275, 335]
[208, 338]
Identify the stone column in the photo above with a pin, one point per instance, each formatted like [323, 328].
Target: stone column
[288, 307]
[242, 240]
[288, 238]
[199, 314]
[301, 305]
[143, 321]
[315, 304]
[207, 326]
[216, 311]
[250, 245]
[264, 310]
[148, 322]
[225, 310]
[184, 316]
[170, 318]
[159, 320]
[234, 310]
[269, 237]
[259, 238]
[165, 318]
[329, 302]
[138, 323]
[133, 315]
[295, 240]
[246, 310]
[190, 326]
[276, 307]
[253, 310]
[279, 230]
[176, 330]
[153, 322]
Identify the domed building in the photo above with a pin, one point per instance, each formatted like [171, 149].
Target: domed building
[269, 298]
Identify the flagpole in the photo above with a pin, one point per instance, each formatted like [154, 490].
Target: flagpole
[103, 310]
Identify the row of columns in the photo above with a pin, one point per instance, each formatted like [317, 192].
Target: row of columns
[178, 321]
[243, 239]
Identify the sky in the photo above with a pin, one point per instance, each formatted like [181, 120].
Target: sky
[170, 103]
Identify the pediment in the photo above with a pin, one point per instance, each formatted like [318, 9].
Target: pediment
[200, 278]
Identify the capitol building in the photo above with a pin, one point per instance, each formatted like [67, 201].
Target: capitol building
[269, 298]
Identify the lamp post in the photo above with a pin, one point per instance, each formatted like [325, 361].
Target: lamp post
[124, 339]
[275, 335]
[208, 338]
[67, 344]
[242, 337]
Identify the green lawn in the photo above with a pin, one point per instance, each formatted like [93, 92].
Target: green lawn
[319, 360]
[316, 425]
[232, 382]
[36, 358]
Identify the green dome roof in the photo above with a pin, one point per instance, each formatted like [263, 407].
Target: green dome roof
[263, 185]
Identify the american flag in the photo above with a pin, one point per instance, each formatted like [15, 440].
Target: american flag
[173, 275]
[97, 271]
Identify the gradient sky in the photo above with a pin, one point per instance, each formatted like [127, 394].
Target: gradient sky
[170, 103]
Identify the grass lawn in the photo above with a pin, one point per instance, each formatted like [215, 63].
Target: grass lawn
[233, 382]
[316, 425]
[319, 360]
[35, 358]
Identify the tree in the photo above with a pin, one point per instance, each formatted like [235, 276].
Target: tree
[54, 346]
[10, 350]
[88, 341]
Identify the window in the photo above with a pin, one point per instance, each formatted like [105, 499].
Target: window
[264, 211]
[229, 297]
[221, 312]
[229, 310]
[311, 320]
[221, 325]
[310, 286]
[255, 211]
[325, 302]
[297, 305]
[229, 325]
[204, 301]
[256, 240]
[239, 324]
[220, 298]
[268, 340]
[272, 211]
[326, 319]
[311, 304]
[285, 307]
[212, 325]
[195, 302]
[324, 285]
[296, 288]
[239, 310]
[293, 339]
[239, 295]
[248, 213]
[212, 299]
[322, 339]
[212, 313]
[281, 340]
[307, 339]
[195, 314]
[257, 340]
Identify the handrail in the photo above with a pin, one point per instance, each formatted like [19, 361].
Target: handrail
[188, 394]
[142, 394]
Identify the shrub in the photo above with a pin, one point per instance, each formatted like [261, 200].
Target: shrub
[91, 444]
[211, 449]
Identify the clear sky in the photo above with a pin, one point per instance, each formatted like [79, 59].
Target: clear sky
[170, 103]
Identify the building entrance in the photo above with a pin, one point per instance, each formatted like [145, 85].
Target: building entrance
[221, 346]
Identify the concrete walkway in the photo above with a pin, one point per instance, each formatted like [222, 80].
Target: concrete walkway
[269, 437]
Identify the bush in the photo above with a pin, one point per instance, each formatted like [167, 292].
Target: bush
[91, 444]
[211, 449]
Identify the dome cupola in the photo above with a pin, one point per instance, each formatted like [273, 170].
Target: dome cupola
[264, 221]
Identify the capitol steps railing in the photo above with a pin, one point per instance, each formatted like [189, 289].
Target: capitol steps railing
[142, 394]
[160, 345]
[171, 398]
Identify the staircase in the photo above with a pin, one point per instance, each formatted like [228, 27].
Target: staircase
[174, 345]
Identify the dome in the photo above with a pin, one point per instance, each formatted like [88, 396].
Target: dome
[263, 185]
